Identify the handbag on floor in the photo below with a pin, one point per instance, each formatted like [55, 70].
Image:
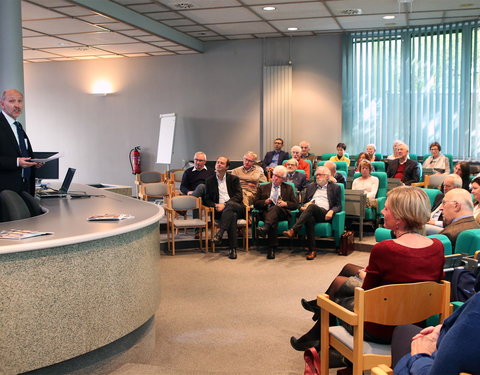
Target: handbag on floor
[347, 244]
[312, 361]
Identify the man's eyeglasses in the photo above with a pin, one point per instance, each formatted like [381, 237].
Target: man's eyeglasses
[199, 159]
[278, 143]
[290, 165]
[321, 174]
[277, 176]
[444, 201]
[249, 160]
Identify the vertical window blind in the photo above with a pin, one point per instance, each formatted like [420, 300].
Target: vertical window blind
[418, 85]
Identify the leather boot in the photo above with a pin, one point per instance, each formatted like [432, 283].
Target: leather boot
[271, 254]
[289, 233]
[232, 254]
[311, 255]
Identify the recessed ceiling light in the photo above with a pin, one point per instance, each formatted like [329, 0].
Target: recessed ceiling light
[292, 29]
[351, 12]
[269, 8]
[388, 17]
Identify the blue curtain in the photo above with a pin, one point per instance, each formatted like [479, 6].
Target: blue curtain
[418, 85]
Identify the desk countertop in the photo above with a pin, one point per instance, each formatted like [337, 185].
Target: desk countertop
[67, 218]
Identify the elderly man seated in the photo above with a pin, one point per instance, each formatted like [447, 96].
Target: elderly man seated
[299, 179]
[250, 176]
[306, 154]
[321, 201]
[457, 214]
[296, 152]
[403, 168]
[274, 201]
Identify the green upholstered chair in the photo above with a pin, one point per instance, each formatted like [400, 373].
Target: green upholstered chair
[468, 242]
[413, 156]
[328, 155]
[432, 194]
[341, 165]
[336, 227]
[372, 214]
[379, 166]
[382, 234]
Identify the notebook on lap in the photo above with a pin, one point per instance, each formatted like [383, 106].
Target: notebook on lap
[62, 192]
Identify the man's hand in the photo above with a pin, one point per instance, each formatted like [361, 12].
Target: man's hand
[39, 165]
[426, 340]
[26, 163]
[332, 179]
[281, 203]
[219, 207]
[268, 201]
[190, 192]
[329, 215]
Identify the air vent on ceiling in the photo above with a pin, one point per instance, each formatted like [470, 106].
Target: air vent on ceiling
[351, 12]
[183, 5]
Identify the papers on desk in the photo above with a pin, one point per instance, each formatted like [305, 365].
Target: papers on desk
[110, 217]
[50, 158]
[19, 234]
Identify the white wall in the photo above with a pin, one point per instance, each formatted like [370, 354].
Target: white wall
[216, 96]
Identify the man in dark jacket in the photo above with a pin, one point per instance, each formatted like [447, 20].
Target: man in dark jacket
[404, 168]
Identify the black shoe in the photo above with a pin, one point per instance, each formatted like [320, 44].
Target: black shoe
[309, 305]
[301, 346]
[232, 254]
[271, 254]
[261, 232]
[217, 239]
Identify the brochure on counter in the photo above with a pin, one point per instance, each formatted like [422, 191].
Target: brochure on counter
[20, 234]
[110, 217]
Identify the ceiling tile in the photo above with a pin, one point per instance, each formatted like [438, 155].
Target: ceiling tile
[191, 28]
[52, 3]
[60, 26]
[142, 8]
[420, 15]
[178, 22]
[162, 53]
[150, 38]
[75, 11]
[74, 52]
[35, 12]
[367, 6]
[26, 32]
[102, 37]
[98, 18]
[212, 38]
[34, 54]
[197, 4]
[269, 35]
[163, 15]
[442, 4]
[369, 22]
[423, 22]
[202, 33]
[242, 36]
[129, 2]
[242, 28]
[164, 44]
[46, 42]
[129, 48]
[274, 2]
[287, 11]
[135, 32]
[221, 15]
[463, 13]
[314, 24]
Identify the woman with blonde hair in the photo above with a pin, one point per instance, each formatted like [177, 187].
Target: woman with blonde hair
[410, 257]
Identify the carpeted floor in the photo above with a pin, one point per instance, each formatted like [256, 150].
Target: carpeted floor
[222, 316]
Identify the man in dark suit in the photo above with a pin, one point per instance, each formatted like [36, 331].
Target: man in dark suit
[16, 172]
[457, 214]
[223, 191]
[321, 201]
[299, 179]
[404, 168]
[275, 157]
[274, 200]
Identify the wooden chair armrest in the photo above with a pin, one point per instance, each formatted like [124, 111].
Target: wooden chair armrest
[325, 303]
[419, 184]
[382, 370]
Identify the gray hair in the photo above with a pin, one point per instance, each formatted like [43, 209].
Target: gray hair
[280, 170]
[323, 170]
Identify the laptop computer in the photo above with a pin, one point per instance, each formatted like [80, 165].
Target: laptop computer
[62, 192]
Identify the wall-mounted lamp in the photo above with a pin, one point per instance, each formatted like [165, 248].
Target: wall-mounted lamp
[102, 88]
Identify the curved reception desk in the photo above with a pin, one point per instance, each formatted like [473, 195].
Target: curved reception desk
[80, 288]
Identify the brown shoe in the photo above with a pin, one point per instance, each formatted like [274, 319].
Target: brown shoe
[289, 233]
[311, 255]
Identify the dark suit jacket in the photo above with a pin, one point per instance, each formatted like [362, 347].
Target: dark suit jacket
[438, 201]
[299, 179]
[410, 174]
[333, 195]
[454, 229]
[269, 155]
[286, 192]
[10, 174]
[211, 190]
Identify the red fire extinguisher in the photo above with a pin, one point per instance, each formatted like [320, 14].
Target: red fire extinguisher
[135, 160]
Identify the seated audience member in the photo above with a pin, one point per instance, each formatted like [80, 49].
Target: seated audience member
[250, 176]
[321, 201]
[403, 168]
[223, 191]
[476, 195]
[296, 152]
[361, 157]
[299, 179]
[274, 200]
[457, 214]
[367, 183]
[462, 168]
[334, 175]
[193, 180]
[370, 151]
[341, 148]
[435, 224]
[306, 154]
[450, 348]
[394, 155]
[275, 157]
[410, 257]
[437, 160]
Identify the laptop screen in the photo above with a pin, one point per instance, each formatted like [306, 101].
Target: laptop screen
[67, 181]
